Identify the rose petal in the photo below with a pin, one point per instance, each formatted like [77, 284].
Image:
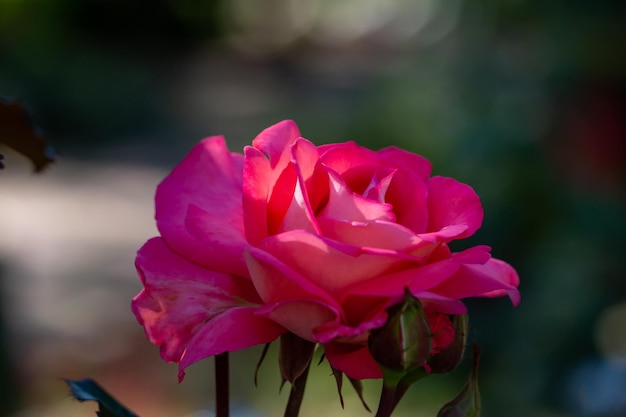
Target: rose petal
[438, 303]
[408, 161]
[328, 264]
[264, 164]
[300, 316]
[375, 234]
[275, 143]
[416, 279]
[300, 214]
[275, 281]
[453, 203]
[379, 184]
[345, 204]
[407, 194]
[358, 333]
[234, 329]
[208, 178]
[353, 360]
[352, 162]
[172, 310]
[257, 179]
[493, 279]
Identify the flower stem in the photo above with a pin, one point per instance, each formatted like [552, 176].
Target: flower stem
[387, 401]
[221, 385]
[297, 394]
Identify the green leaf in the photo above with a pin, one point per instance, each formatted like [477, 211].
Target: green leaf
[89, 390]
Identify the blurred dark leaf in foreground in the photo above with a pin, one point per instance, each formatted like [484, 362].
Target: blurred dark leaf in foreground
[18, 132]
[89, 390]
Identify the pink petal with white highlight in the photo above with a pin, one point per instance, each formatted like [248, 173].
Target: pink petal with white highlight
[208, 178]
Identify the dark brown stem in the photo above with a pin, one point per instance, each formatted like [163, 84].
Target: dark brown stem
[297, 394]
[387, 401]
[222, 385]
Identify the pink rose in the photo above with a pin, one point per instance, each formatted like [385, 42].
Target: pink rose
[315, 240]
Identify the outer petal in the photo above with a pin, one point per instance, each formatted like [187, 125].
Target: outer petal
[182, 299]
[420, 278]
[353, 360]
[235, 329]
[209, 179]
[493, 279]
[451, 203]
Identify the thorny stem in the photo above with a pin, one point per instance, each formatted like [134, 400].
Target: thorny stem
[221, 385]
[297, 394]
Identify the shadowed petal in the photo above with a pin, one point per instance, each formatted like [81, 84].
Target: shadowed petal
[234, 329]
[300, 317]
[353, 360]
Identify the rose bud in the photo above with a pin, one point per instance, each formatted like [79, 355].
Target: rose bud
[294, 356]
[449, 357]
[467, 402]
[404, 342]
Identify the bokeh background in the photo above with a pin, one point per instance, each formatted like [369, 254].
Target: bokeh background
[525, 101]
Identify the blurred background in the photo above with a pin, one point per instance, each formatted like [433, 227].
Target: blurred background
[525, 101]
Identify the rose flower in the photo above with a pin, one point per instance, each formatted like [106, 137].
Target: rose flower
[314, 240]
